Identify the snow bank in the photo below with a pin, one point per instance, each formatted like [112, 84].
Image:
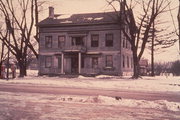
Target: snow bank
[100, 100]
[158, 104]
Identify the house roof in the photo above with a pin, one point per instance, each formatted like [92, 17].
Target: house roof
[80, 19]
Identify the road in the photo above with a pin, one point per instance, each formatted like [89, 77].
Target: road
[138, 95]
[34, 102]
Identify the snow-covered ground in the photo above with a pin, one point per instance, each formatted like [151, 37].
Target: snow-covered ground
[156, 84]
[35, 106]
[68, 107]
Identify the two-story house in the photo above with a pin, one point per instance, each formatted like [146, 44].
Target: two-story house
[83, 44]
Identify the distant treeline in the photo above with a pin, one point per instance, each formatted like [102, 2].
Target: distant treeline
[169, 67]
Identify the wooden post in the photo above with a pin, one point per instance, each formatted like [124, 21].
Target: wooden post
[79, 54]
[62, 63]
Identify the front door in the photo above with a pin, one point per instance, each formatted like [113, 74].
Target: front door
[74, 64]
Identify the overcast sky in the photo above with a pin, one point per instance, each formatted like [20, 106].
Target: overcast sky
[91, 6]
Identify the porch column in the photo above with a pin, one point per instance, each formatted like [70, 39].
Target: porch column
[79, 55]
[62, 63]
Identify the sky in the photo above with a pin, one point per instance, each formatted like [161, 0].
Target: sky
[93, 6]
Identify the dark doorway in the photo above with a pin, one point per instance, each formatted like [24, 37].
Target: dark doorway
[74, 64]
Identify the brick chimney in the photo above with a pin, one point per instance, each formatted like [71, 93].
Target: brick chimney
[51, 12]
[122, 6]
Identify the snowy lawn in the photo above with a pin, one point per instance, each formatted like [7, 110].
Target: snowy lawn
[156, 84]
[32, 106]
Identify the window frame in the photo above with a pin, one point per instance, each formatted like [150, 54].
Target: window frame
[111, 61]
[48, 40]
[94, 42]
[95, 62]
[123, 62]
[60, 45]
[59, 61]
[46, 61]
[131, 62]
[107, 41]
[128, 64]
[74, 41]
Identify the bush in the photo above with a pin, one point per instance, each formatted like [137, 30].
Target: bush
[175, 68]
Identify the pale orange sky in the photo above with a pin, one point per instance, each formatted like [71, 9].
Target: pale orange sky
[90, 6]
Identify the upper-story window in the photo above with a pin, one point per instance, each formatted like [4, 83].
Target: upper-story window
[94, 40]
[77, 41]
[109, 40]
[109, 61]
[48, 41]
[61, 41]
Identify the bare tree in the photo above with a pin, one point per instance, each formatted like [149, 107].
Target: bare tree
[160, 38]
[2, 55]
[19, 19]
[138, 31]
[37, 5]
[178, 18]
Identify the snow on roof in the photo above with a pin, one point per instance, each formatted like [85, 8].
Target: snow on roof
[99, 18]
[88, 18]
[67, 21]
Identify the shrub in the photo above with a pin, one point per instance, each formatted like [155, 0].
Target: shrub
[175, 68]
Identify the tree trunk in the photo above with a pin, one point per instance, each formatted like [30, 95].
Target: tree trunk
[36, 20]
[22, 69]
[1, 59]
[136, 66]
[0, 68]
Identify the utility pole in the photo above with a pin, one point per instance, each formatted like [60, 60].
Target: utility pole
[178, 18]
[152, 51]
[152, 47]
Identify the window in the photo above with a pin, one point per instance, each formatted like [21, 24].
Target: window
[48, 41]
[123, 61]
[109, 40]
[109, 61]
[94, 40]
[48, 61]
[95, 62]
[76, 41]
[127, 42]
[127, 61]
[61, 41]
[124, 41]
[131, 62]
